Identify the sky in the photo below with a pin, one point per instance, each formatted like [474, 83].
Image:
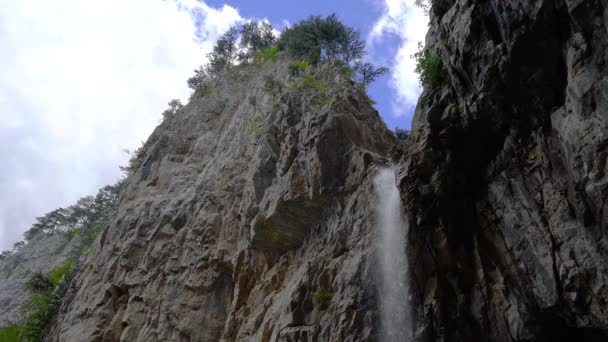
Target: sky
[80, 82]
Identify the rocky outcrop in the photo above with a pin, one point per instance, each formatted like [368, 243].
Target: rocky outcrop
[505, 182]
[41, 254]
[248, 217]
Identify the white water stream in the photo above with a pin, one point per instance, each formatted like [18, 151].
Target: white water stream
[392, 286]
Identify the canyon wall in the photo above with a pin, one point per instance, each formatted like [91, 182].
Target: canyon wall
[505, 181]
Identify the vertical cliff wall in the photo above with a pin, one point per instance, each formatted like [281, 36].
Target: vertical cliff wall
[248, 217]
[505, 182]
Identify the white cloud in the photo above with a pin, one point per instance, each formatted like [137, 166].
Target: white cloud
[79, 82]
[409, 23]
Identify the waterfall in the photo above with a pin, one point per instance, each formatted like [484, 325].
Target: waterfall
[392, 284]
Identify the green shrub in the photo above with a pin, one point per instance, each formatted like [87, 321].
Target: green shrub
[318, 39]
[324, 297]
[37, 315]
[272, 85]
[311, 83]
[89, 214]
[175, 106]
[252, 99]
[255, 37]
[344, 68]
[39, 283]
[10, 333]
[314, 40]
[266, 55]
[56, 274]
[295, 69]
[86, 218]
[366, 73]
[47, 292]
[429, 67]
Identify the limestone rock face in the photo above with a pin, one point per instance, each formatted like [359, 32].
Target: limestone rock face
[248, 217]
[41, 254]
[505, 181]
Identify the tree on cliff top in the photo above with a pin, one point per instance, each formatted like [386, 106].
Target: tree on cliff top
[87, 215]
[255, 37]
[315, 40]
[319, 40]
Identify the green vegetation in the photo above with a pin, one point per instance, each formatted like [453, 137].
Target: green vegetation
[317, 40]
[324, 297]
[84, 219]
[316, 88]
[58, 273]
[255, 37]
[39, 310]
[272, 85]
[221, 58]
[313, 41]
[252, 101]
[266, 55]
[295, 69]
[224, 52]
[311, 83]
[175, 106]
[10, 333]
[429, 67]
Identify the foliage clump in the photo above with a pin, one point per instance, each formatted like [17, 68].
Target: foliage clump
[312, 41]
[317, 40]
[175, 106]
[84, 218]
[324, 297]
[46, 292]
[10, 333]
[295, 69]
[272, 85]
[429, 67]
[221, 58]
[266, 55]
[255, 37]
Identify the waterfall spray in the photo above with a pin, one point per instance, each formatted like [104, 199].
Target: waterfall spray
[392, 286]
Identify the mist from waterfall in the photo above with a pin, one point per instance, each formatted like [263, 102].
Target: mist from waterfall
[392, 286]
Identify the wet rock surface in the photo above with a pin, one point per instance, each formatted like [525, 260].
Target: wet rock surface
[505, 182]
[248, 217]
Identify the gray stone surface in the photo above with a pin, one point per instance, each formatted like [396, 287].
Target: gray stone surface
[244, 205]
[505, 181]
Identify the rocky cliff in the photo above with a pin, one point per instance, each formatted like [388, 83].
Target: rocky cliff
[249, 213]
[505, 181]
[248, 216]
